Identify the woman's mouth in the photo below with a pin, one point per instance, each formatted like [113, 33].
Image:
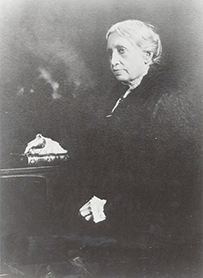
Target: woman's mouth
[118, 71]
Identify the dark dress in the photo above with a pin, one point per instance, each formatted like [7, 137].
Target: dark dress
[145, 161]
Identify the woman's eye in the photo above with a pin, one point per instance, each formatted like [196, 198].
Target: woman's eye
[121, 50]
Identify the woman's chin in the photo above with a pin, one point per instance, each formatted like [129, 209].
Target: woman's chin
[121, 78]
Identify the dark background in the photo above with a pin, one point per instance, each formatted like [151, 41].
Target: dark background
[65, 40]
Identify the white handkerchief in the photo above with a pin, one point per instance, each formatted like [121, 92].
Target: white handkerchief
[94, 209]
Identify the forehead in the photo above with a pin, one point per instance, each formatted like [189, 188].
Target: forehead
[115, 40]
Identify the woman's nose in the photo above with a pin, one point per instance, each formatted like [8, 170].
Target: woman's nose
[114, 58]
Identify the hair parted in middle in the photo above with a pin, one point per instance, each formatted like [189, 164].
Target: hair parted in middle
[140, 33]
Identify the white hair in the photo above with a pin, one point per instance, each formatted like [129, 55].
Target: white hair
[140, 33]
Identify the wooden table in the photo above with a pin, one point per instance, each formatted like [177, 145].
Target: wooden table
[46, 172]
[43, 171]
[28, 205]
[28, 189]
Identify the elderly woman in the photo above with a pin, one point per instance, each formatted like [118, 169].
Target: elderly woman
[141, 148]
[133, 47]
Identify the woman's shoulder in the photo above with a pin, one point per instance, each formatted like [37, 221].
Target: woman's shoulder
[180, 110]
[179, 101]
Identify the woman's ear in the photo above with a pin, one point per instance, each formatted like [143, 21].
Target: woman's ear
[148, 57]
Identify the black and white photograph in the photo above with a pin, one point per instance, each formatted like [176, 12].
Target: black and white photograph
[101, 139]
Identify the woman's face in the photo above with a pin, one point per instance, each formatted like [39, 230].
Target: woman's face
[127, 61]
